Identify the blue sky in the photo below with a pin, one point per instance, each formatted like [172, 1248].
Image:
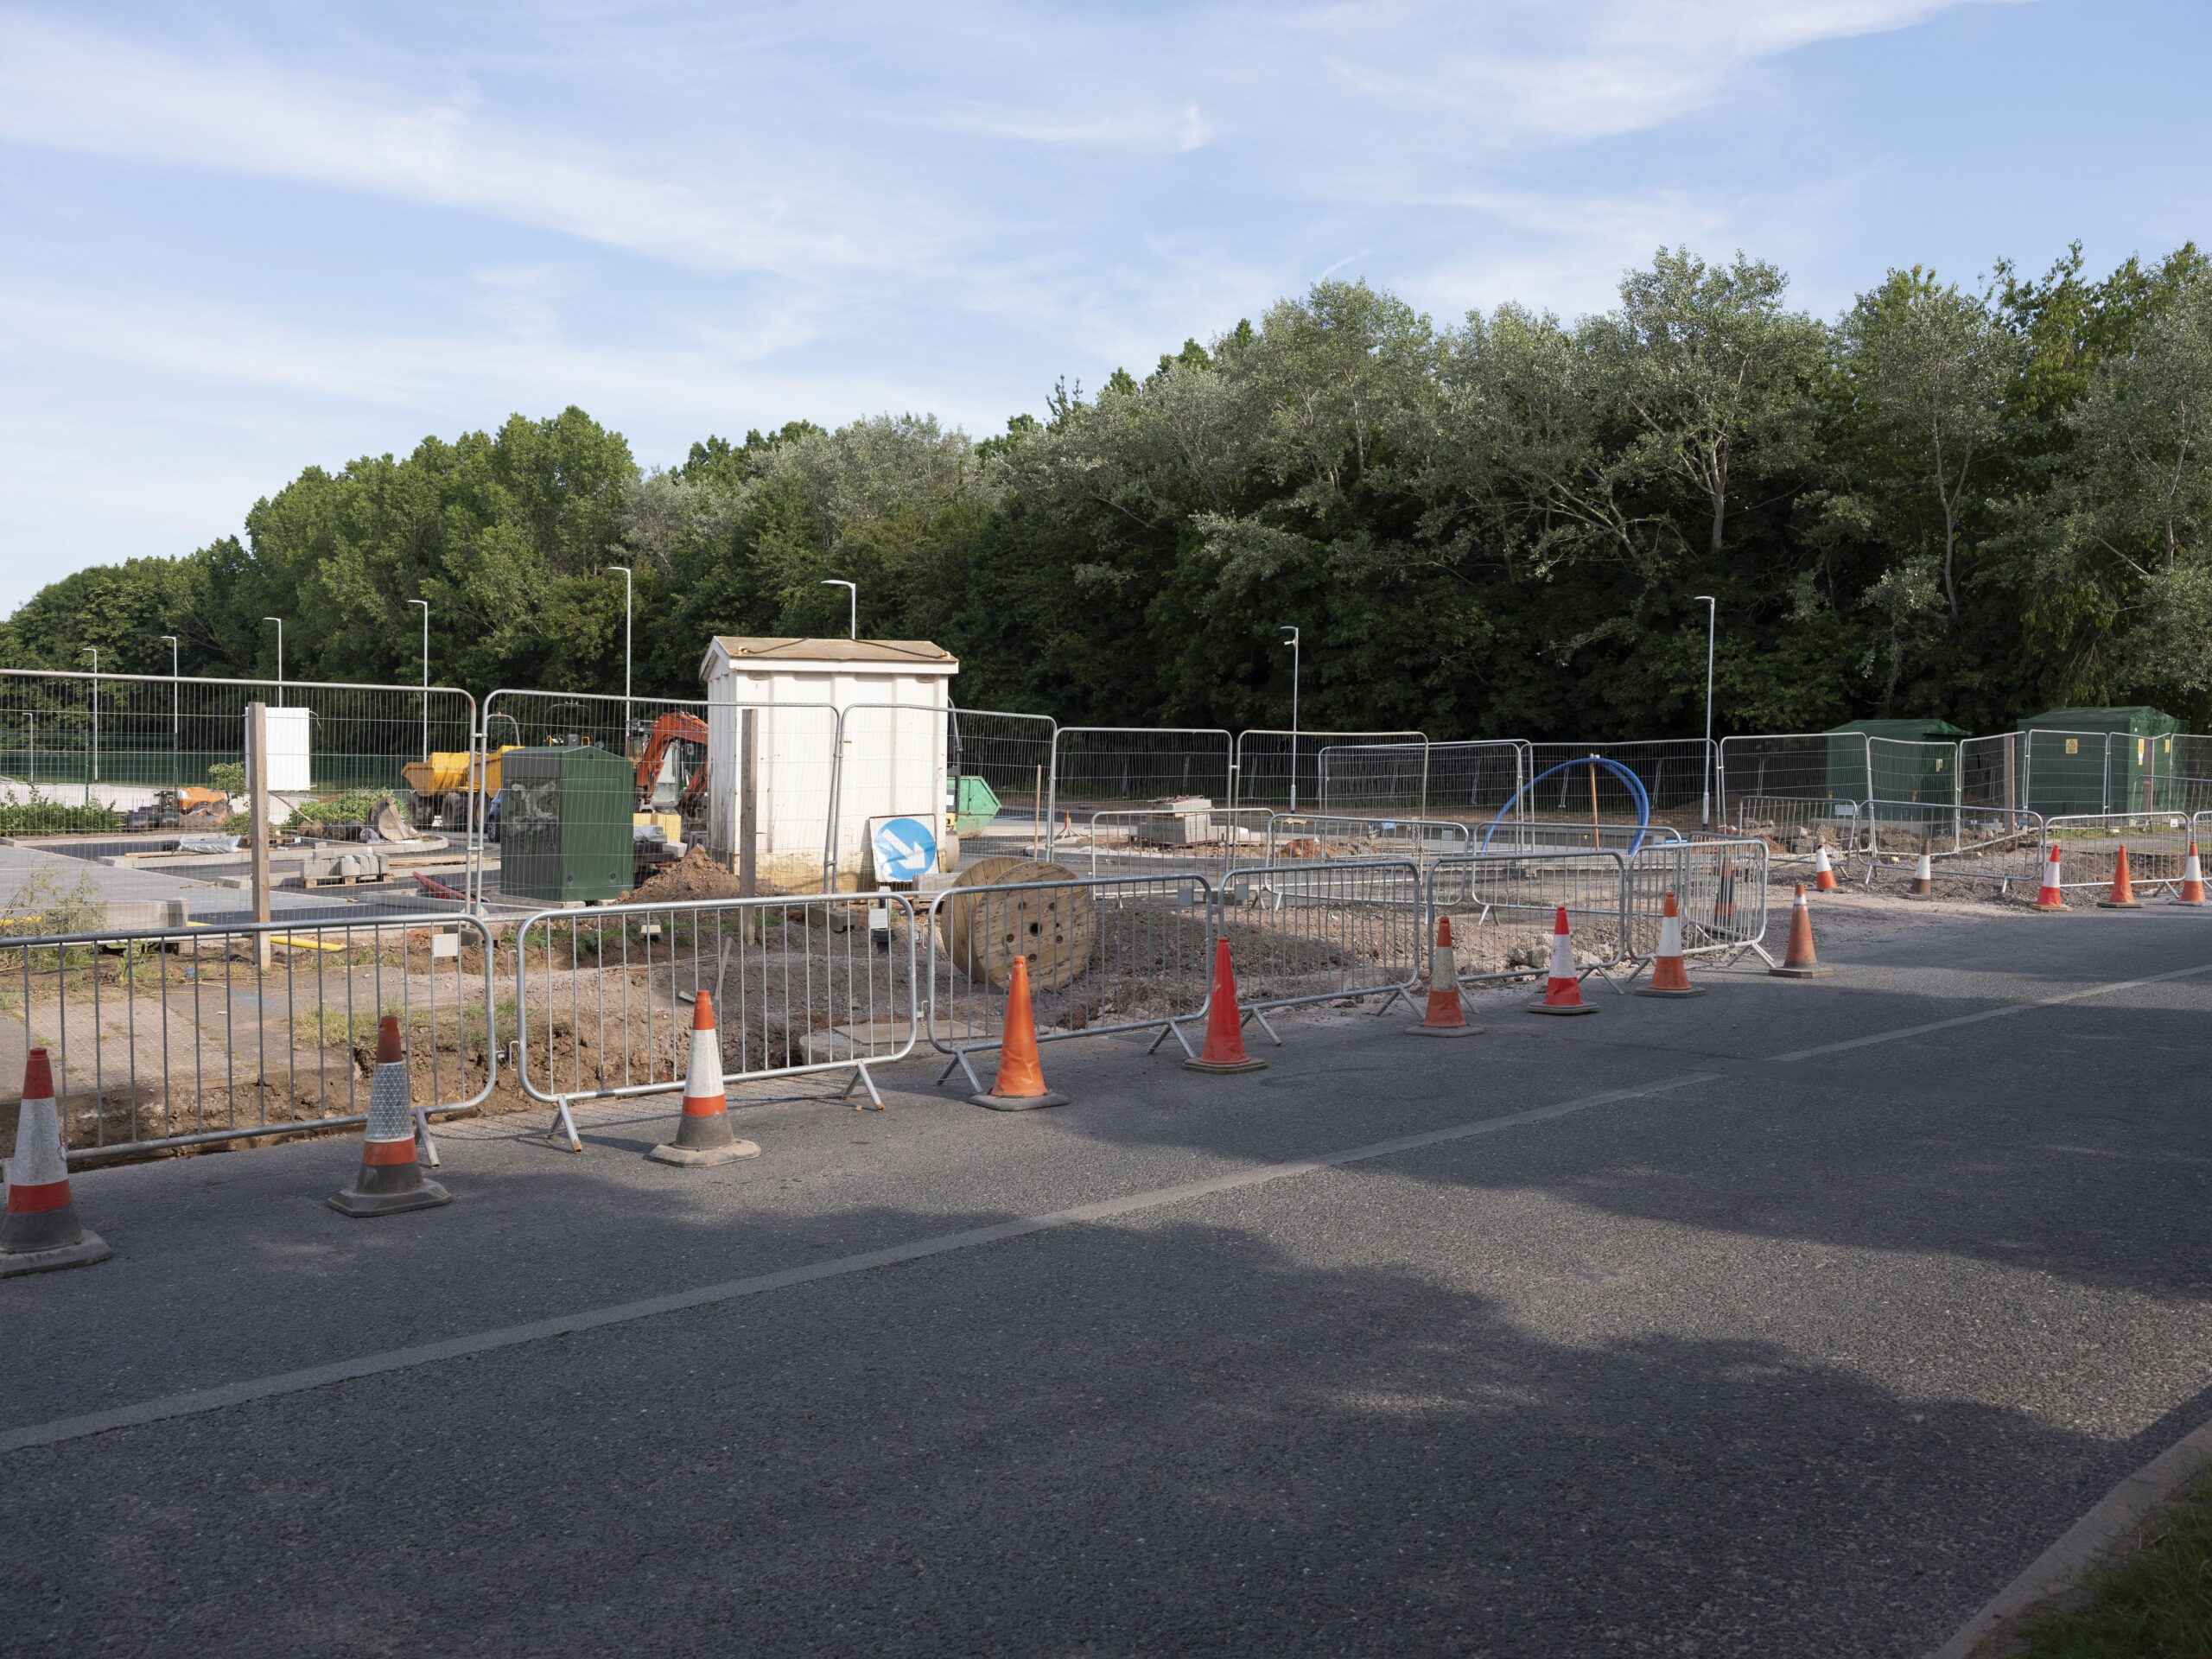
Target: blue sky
[242, 238]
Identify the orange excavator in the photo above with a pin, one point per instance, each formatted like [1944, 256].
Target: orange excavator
[669, 729]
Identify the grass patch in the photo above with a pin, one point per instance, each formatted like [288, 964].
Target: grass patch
[2156, 1604]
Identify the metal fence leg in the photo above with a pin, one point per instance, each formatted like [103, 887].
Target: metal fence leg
[860, 1075]
[1173, 1027]
[958, 1062]
[426, 1148]
[1256, 1014]
[562, 1131]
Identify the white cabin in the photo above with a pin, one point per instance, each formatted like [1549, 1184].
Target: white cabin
[894, 698]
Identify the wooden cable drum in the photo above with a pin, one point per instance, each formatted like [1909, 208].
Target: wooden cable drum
[1053, 927]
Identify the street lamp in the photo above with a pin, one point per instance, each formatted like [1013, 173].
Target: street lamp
[1705, 796]
[624, 570]
[279, 622]
[852, 605]
[1293, 643]
[95, 652]
[176, 721]
[425, 604]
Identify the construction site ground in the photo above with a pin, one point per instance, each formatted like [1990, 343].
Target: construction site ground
[1794, 1319]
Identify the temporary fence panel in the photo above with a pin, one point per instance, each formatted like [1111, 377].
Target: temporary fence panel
[1012, 753]
[176, 1037]
[1991, 771]
[1475, 779]
[1326, 932]
[605, 998]
[92, 764]
[2182, 767]
[1981, 844]
[1719, 886]
[1913, 770]
[1284, 769]
[1294, 837]
[894, 762]
[1103, 766]
[1155, 840]
[2063, 772]
[2158, 845]
[1372, 777]
[1675, 774]
[1502, 907]
[1538, 834]
[1804, 766]
[1113, 954]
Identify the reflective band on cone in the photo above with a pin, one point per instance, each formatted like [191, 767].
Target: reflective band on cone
[1224, 1046]
[40, 1232]
[1799, 962]
[1669, 974]
[2048, 897]
[1823, 871]
[1562, 986]
[1020, 1086]
[1444, 1016]
[390, 1181]
[2192, 879]
[703, 1132]
[2122, 896]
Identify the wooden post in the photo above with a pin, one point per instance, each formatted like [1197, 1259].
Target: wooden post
[748, 808]
[1036, 813]
[257, 793]
[1593, 803]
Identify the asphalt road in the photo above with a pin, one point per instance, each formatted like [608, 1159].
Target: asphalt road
[1774, 1323]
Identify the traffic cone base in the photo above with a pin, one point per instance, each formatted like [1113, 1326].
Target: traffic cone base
[2120, 904]
[89, 1247]
[703, 1139]
[1444, 1015]
[390, 1181]
[1669, 973]
[1020, 1086]
[1225, 1044]
[1563, 984]
[39, 1230]
[1800, 962]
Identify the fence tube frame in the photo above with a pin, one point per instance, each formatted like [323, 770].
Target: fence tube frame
[1276, 885]
[1467, 865]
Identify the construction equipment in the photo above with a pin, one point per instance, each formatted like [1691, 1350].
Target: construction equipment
[661, 785]
[195, 809]
[441, 786]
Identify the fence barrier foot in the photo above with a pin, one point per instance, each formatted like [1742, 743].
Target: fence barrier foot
[860, 1075]
[426, 1148]
[562, 1131]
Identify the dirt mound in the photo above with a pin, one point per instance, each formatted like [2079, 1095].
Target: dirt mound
[695, 875]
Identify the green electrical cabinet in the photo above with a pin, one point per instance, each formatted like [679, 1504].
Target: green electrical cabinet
[564, 823]
[1914, 760]
[2078, 761]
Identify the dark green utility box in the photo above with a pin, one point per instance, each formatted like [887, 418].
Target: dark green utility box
[2079, 760]
[1915, 760]
[564, 823]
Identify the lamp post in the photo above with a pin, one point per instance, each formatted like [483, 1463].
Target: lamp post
[176, 710]
[1705, 773]
[1293, 643]
[852, 605]
[624, 570]
[279, 622]
[95, 652]
[425, 604]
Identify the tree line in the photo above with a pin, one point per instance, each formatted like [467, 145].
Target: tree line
[1971, 502]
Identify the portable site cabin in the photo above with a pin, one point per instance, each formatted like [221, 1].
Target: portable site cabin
[844, 731]
[2097, 761]
[1915, 760]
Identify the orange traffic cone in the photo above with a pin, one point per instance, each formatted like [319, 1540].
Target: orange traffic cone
[2122, 896]
[2192, 879]
[1020, 1086]
[1823, 871]
[2051, 897]
[1563, 986]
[40, 1232]
[1924, 876]
[1669, 974]
[1445, 1016]
[1225, 1048]
[703, 1133]
[390, 1181]
[1799, 962]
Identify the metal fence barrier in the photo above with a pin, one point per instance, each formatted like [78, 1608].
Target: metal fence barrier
[1295, 836]
[603, 997]
[1974, 844]
[1804, 766]
[195, 1036]
[1552, 836]
[1719, 885]
[1288, 770]
[2158, 845]
[1324, 933]
[1113, 954]
[1503, 907]
[1136, 765]
[1147, 841]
